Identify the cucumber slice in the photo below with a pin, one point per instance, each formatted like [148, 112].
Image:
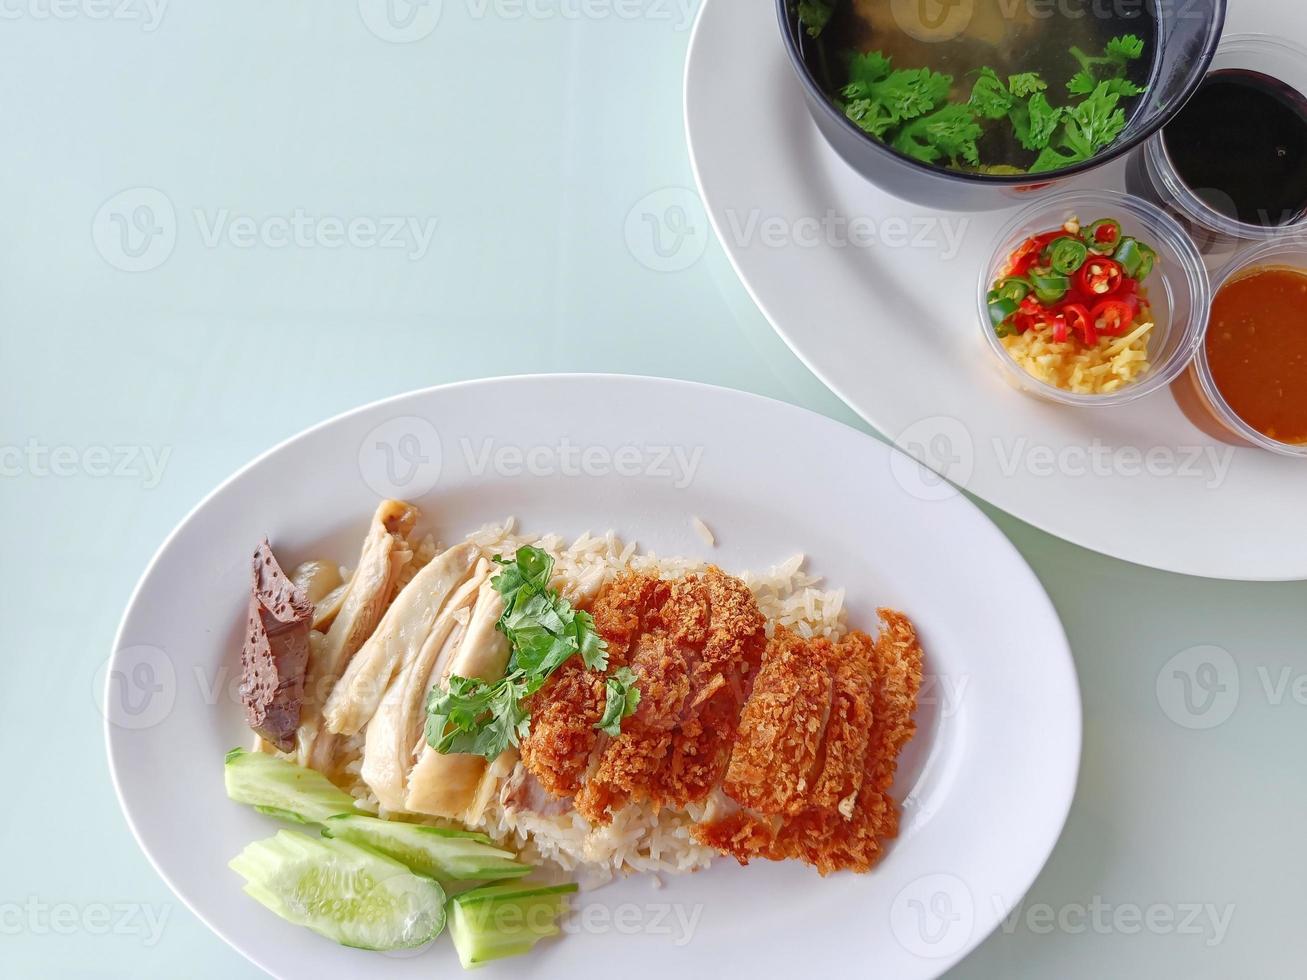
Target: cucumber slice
[504, 919]
[283, 789]
[342, 891]
[434, 851]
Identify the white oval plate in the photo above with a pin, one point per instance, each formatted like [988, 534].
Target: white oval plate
[878, 297]
[988, 779]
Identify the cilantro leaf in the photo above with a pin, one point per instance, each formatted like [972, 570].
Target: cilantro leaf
[622, 698]
[989, 96]
[544, 631]
[1051, 158]
[1025, 84]
[910, 109]
[1034, 121]
[871, 116]
[542, 627]
[1081, 83]
[473, 717]
[814, 15]
[1095, 122]
[589, 644]
[913, 92]
[864, 69]
[1086, 128]
[1125, 48]
[1114, 61]
[903, 94]
[949, 132]
[1122, 87]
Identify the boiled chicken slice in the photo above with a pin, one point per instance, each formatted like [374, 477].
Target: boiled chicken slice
[446, 785]
[385, 553]
[397, 726]
[322, 582]
[398, 638]
[488, 789]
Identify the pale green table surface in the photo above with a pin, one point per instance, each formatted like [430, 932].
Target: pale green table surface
[527, 132]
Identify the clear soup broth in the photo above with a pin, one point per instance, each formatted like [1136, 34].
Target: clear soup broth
[958, 39]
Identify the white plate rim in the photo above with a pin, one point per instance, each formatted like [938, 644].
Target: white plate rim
[1073, 705]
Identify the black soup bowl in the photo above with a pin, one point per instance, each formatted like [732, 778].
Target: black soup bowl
[1188, 32]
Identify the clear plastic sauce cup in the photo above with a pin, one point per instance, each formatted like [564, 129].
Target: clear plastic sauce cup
[1151, 173]
[1177, 289]
[1196, 390]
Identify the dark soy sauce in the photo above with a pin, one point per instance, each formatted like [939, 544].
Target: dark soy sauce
[1241, 145]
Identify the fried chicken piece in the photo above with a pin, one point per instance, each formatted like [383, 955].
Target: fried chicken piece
[842, 821]
[740, 834]
[694, 644]
[621, 610]
[698, 644]
[832, 840]
[562, 735]
[776, 756]
[802, 736]
[719, 611]
[898, 670]
[563, 744]
[629, 765]
[848, 730]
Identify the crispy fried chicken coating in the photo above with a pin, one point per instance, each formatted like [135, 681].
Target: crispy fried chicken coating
[801, 735]
[563, 735]
[776, 757]
[844, 819]
[694, 644]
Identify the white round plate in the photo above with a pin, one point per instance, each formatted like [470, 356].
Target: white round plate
[987, 781]
[878, 297]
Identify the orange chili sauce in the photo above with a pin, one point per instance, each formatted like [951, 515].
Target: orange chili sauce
[1257, 350]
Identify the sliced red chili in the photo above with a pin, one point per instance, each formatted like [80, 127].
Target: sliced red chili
[1028, 253]
[1090, 336]
[1061, 329]
[1100, 277]
[1112, 317]
[1078, 320]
